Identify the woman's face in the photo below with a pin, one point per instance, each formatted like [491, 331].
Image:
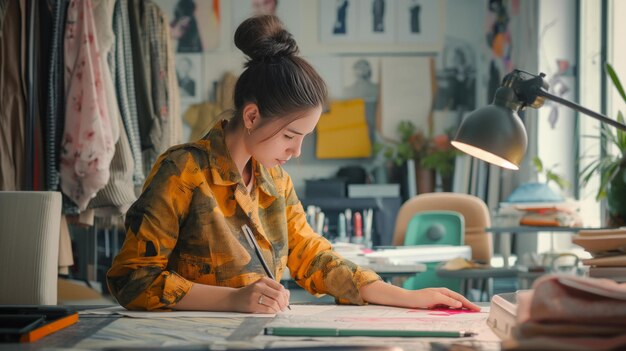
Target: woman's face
[271, 150]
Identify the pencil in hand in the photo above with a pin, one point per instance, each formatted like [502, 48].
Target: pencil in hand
[252, 242]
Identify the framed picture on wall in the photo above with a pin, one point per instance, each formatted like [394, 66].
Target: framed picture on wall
[288, 11]
[377, 21]
[194, 24]
[418, 21]
[338, 20]
[360, 77]
[189, 75]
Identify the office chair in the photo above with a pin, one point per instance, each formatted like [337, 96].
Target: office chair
[473, 209]
[477, 219]
[29, 247]
[434, 228]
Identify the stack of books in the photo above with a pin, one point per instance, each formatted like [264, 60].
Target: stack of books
[538, 214]
[608, 250]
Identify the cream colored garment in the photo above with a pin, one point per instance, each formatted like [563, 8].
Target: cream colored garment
[119, 193]
[66, 258]
[176, 121]
[201, 117]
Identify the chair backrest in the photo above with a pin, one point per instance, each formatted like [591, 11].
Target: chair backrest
[29, 247]
[435, 228]
[473, 209]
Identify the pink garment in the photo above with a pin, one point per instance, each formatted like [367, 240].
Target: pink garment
[87, 145]
[566, 312]
[569, 299]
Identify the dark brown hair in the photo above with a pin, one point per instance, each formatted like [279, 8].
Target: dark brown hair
[279, 81]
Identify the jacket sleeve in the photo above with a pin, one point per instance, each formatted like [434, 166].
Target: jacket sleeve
[139, 278]
[312, 262]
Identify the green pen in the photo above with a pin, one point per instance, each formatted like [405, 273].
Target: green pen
[289, 331]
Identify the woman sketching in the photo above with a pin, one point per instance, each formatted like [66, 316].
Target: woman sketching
[186, 246]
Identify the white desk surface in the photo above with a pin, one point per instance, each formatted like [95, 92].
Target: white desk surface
[211, 333]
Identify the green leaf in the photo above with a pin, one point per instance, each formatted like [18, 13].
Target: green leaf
[616, 81]
[621, 135]
[538, 164]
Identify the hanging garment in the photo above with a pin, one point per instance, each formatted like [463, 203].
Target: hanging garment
[125, 84]
[3, 11]
[66, 258]
[141, 67]
[150, 65]
[173, 95]
[87, 144]
[56, 107]
[103, 20]
[163, 79]
[117, 196]
[119, 193]
[12, 96]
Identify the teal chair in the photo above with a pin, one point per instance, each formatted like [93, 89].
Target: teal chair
[434, 228]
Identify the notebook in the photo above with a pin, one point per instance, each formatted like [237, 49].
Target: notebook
[28, 323]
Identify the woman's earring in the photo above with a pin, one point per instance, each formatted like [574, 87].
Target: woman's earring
[248, 129]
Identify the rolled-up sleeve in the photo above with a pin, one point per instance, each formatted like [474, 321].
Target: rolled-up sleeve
[139, 278]
[314, 265]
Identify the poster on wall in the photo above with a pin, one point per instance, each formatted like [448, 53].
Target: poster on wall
[287, 11]
[407, 90]
[360, 77]
[377, 21]
[456, 79]
[338, 21]
[361, 81]
[189, 75]
[418, 21]
[194, 24]
[499, 40]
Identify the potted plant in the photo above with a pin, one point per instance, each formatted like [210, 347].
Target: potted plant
[431, 155]
[439, 155]
[611, 167]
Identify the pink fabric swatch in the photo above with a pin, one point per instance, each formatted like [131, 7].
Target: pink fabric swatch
[87, 145]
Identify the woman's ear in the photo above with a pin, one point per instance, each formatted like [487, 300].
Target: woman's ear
[251, 116]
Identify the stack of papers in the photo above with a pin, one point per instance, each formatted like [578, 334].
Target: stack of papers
[419, 253]
[608, 249]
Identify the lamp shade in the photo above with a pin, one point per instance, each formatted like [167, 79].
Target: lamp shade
[494, 133]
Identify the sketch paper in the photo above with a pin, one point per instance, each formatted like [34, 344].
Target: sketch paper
[170, 314]
[385, 318]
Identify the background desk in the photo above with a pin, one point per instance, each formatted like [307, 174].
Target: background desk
[505, 235]
[387, 271]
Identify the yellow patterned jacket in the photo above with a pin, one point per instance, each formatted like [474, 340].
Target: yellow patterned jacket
[186, 228]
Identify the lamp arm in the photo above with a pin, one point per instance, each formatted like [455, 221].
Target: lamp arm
[602, 118]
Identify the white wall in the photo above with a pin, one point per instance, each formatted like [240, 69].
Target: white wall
[464, 21]
[556, 140]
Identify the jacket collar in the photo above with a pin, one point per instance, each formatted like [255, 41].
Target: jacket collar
[223, 169]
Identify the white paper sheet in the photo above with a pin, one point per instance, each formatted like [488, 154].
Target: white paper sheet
[388, 318]
[171, 314]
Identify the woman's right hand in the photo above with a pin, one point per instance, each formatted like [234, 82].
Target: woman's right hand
[263, 296]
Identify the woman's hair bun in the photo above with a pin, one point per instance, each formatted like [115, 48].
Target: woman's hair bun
[263, 38]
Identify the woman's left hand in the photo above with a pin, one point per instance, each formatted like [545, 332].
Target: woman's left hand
[440, 297]
[382, 293]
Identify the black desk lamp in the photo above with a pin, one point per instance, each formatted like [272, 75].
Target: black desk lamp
[496, 134]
